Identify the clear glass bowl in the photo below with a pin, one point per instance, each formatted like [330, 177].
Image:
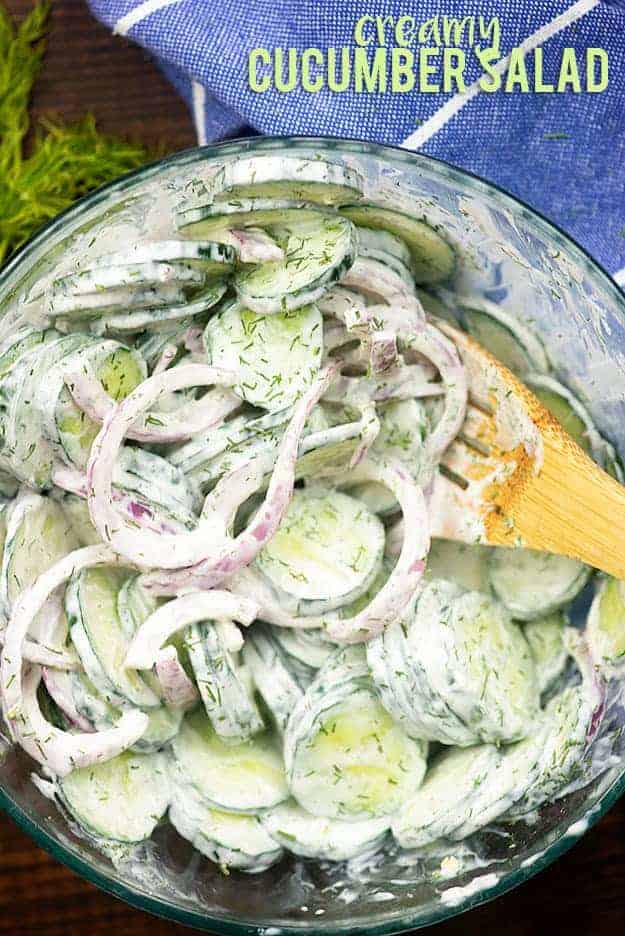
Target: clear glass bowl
[508, 255]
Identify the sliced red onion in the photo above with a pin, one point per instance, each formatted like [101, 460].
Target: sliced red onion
[392, 598]
[593, 681]
[193, 341]
[91, 397]
[370, 430]
[442, 352]
[57, 750]
[135, 510]
[168, 354]
[375, 279]
[255, 246]
[402, 383]
[143, 547]
[46, 644]
[250, 583]
[145, 646]
[229, 555]
[178, 690]
[59, 688]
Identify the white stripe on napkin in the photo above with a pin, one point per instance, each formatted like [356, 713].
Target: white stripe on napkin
[140, 12]
[619, 276]
[444, 114]
[199, 102]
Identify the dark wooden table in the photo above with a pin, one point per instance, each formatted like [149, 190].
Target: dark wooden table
[583, 894]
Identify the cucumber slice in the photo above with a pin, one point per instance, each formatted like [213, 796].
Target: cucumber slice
[38, 534]
[344, 755]
[433, 260]
[212, 258]
[78, 308]
[326, 552]
[21, 341]
[154, 317]
[435, 306]
[307, 648]
[105, 276]
[157, 482]
[456, 669]
[463, 564]
[277, 357]
[605, 627]
[230, 840]
[561, 748]
[224, 685]
[326, 839]
[240, 778]
[317, 254]
[532, 584]
[77, 512]
[91, 606]
[446, 799]
[385, 248]
[122, 800]
[546, 642]
[26, 446]
[275, 681]
[507, 338]
[94, 701]
[570, 413]
[237, 436]
[404, 425]
[216, 220]
[287, 177]
[119, 370]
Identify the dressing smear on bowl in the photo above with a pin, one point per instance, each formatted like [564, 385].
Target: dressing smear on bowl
[224, 613]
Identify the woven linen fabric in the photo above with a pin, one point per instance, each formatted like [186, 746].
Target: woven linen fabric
[563, 153]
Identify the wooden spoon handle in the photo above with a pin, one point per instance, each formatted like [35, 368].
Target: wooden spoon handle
[570, 507]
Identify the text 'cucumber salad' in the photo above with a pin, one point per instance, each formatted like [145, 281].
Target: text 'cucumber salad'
[222, 606]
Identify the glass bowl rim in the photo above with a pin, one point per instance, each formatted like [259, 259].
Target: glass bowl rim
[227, 925]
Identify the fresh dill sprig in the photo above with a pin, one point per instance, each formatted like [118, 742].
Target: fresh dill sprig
[63, 162]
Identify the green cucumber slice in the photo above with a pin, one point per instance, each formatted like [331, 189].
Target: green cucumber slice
[446, 798]
[317, 837]
[385, 248]
[545, 637]
[571, 414]
[463, 564]
[119, 370]
[317, 254]
[277, 357]
[456, 669]
[274, 679]
[223, 683]
[230, 840]
[211, 257]
[433, 260]
[216, 220]
[345, 756]
[532, 584]
[404, 425]
[507, 338]
[605, 627]
[241, 778]
[38, 534]
[287, 177]
[91, 606]
[326, 552]
[122, 800]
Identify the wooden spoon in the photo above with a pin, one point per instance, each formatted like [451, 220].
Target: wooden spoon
[514, 477]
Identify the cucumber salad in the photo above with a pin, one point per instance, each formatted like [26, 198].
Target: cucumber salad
[221, 604]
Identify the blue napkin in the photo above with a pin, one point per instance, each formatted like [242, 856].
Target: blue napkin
[563, 153]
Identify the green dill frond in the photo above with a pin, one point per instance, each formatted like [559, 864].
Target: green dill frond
[64, 162]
